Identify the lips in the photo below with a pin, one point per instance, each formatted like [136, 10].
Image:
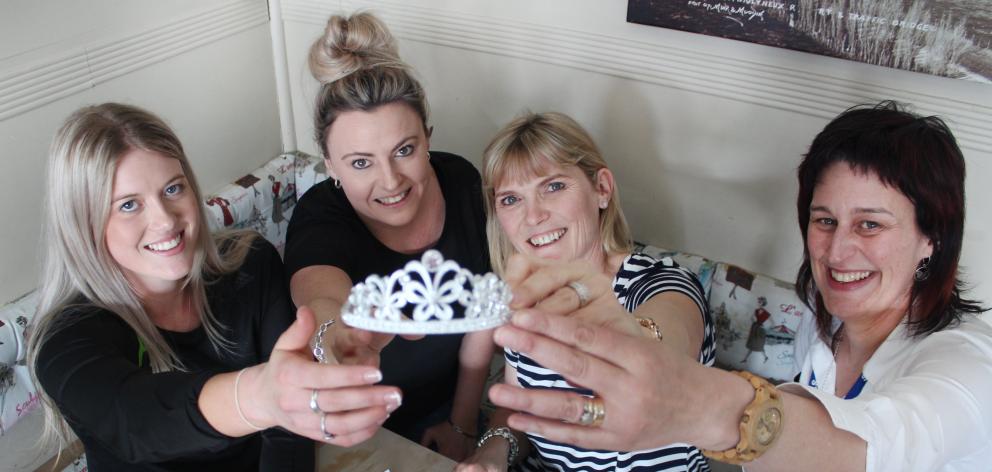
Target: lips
[393, 199]
[547, 238]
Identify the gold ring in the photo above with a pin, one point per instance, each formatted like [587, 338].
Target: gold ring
[593, 412]
[581, 291]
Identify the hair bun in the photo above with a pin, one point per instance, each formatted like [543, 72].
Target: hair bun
[351, 44]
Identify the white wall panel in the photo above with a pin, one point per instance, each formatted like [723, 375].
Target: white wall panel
[206, 67]
[703, 133]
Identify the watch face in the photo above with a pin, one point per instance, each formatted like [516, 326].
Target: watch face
[768, 425]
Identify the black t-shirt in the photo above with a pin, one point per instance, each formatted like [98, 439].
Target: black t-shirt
[326, 230]
[128, 418]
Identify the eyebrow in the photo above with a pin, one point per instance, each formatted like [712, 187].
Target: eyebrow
[856, 210]
[369, 154]
[169, 182]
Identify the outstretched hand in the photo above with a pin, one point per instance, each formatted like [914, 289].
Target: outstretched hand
[543, 285]
[645, 386]
[282, 389]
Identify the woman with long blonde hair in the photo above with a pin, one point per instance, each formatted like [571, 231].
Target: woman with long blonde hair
[163, 346]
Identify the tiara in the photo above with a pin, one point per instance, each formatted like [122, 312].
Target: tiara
[418, 299]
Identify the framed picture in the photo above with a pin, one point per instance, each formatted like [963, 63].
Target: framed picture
[949, 38]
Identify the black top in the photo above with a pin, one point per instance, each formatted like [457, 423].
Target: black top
[326, 230]
[128, 418]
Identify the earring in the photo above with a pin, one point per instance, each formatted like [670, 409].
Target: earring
[603, 204]
[428, 155]
[922, 270]
[337, 183]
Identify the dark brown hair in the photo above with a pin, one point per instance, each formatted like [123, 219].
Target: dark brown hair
[918, 156]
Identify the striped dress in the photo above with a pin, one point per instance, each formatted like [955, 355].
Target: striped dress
[640, 278]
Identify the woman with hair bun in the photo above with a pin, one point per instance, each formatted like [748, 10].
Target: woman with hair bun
[163, 346]
[386, 202]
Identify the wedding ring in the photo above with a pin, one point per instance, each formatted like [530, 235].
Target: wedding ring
[581, 291]
[313, 403]
[323, 428]
[593, 412]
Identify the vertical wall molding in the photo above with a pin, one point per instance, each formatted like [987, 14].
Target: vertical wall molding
[85, 66]
[761, 84]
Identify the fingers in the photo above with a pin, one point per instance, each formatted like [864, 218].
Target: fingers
[345, 399]
[545, 281]
[336, 424]
[428, 438]
[554, 430]
[592, 364]
[309, 375]
[552, 404]
[297, 336]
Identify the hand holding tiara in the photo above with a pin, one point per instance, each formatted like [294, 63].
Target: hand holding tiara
[423, 298]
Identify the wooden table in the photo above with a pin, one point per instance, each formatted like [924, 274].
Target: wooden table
[385, 451]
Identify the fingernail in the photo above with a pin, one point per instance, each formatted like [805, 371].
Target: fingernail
[523, 319]
[499, 337]
[393, 401]
[373, 376]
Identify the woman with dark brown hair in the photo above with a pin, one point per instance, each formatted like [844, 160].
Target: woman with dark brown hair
[895, 369]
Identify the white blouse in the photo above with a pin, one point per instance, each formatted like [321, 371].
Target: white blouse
[926, 404]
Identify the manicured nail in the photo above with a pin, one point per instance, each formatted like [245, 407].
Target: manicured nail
[393, 401]
[373, 376]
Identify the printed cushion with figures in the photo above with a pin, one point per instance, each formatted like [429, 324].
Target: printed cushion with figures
[756, 322]
[310, 171]
[18, 396]
[262, 201]
[699, 265]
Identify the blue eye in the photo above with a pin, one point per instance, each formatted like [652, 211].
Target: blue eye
[404, 151]
[556, 186]
[174, 189]
[508, 200]
[361, 163]
[129, 206]
[825, 221]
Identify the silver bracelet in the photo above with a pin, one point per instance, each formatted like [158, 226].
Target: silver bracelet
[318, 342]
[506, 434]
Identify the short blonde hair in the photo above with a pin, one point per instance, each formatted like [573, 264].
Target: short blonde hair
[524, 147]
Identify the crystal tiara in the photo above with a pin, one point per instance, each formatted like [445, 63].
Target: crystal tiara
[418, 299]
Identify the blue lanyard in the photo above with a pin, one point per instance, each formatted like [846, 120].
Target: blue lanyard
[852, 393]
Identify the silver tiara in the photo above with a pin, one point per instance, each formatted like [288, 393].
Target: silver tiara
[419, 299]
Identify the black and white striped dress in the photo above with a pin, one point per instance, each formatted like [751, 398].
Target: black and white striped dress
[640, 278]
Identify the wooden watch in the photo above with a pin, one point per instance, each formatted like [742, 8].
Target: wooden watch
[761, 423]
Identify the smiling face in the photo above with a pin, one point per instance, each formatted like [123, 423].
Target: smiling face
[381, 159]
[864, 244]
[554, 215]
[151, 230]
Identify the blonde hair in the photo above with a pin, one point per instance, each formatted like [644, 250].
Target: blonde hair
[79, 271]
[359, 68]
[524, 147]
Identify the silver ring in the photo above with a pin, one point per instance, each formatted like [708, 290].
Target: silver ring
[313, 403]
[323, 428]
[581, 290]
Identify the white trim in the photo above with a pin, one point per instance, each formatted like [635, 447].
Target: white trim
[284, 97]
[84, 67]
[768, 85]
